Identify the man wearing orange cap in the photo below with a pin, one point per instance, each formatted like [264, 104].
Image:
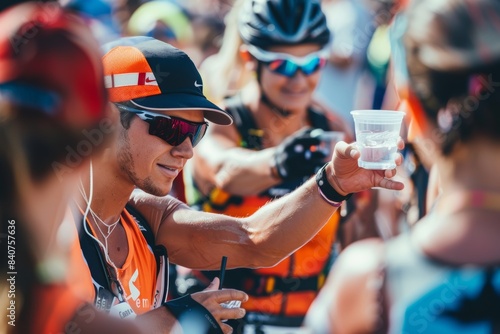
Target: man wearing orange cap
[161, 114]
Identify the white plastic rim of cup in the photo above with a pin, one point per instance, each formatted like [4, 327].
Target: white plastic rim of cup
[377, 133]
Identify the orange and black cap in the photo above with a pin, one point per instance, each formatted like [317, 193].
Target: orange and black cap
[156, 76]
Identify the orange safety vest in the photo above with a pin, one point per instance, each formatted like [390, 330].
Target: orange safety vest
[271, 289]
[289, 288]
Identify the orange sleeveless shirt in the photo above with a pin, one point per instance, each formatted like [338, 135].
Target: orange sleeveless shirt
[137, 275]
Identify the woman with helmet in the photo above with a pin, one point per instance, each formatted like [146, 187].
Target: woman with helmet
[270, 150]
[443, 277]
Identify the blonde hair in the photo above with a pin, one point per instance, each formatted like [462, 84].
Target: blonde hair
[224, 73]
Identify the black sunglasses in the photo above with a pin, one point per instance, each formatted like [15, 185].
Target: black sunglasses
[171, 129]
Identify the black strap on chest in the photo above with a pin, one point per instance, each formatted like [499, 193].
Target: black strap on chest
[95, 258]
[251, 135]
[147, 232]
[93, 255]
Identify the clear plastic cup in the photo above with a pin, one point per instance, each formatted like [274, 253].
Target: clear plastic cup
[377, 133]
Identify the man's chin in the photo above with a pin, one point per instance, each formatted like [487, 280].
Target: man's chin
[159, 191]
[163, 192]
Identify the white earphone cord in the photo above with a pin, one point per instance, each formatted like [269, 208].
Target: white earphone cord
[88, 201]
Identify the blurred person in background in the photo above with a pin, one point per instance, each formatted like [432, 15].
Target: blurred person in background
[442, 277]
[346, 84]
[269, 151]
[218, 8]
[225, 73]
[209, 30]
[98, 15]
[122, 11]
[163, 20]
[51, 95]
[196, 33]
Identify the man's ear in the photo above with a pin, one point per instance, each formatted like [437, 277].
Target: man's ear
[249, 62]
[112, 111]
[112, 114]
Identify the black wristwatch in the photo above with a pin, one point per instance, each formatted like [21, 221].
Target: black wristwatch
[326, 190]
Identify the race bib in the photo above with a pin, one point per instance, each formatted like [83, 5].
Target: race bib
[122, 310]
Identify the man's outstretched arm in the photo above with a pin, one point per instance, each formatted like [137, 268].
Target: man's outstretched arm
[198, 240]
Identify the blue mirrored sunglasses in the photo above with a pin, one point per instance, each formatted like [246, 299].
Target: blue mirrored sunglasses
[289, 68]
[288, 65]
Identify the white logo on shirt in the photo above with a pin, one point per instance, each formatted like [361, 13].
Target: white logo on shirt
[134, 292]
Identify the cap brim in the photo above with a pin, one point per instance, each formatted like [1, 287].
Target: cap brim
[179, 101]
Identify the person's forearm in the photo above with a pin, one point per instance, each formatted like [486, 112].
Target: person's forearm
[244, 172]
[284, 225]
[88, 319]
[156, 321]
[198, 240]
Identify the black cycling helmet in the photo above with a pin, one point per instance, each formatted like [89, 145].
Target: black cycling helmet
[266, 23]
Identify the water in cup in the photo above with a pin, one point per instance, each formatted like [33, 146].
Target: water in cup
[378, 150]
[377, 133]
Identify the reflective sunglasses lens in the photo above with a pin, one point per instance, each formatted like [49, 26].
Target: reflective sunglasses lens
[284, 67]
[175, 131]
[289, 68]
[185, 129]
[162, 128]
[200, 132]
[313, 65]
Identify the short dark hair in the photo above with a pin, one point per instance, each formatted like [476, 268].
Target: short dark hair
[126, 118]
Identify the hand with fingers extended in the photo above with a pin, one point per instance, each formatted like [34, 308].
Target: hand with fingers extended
[202, 312]
[346, 176]
[297, 156]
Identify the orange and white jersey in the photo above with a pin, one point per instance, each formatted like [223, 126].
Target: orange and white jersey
[137, 275]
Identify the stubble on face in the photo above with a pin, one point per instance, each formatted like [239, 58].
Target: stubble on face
[127, 167]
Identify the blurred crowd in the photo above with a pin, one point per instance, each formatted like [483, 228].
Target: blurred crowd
[408, 250]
